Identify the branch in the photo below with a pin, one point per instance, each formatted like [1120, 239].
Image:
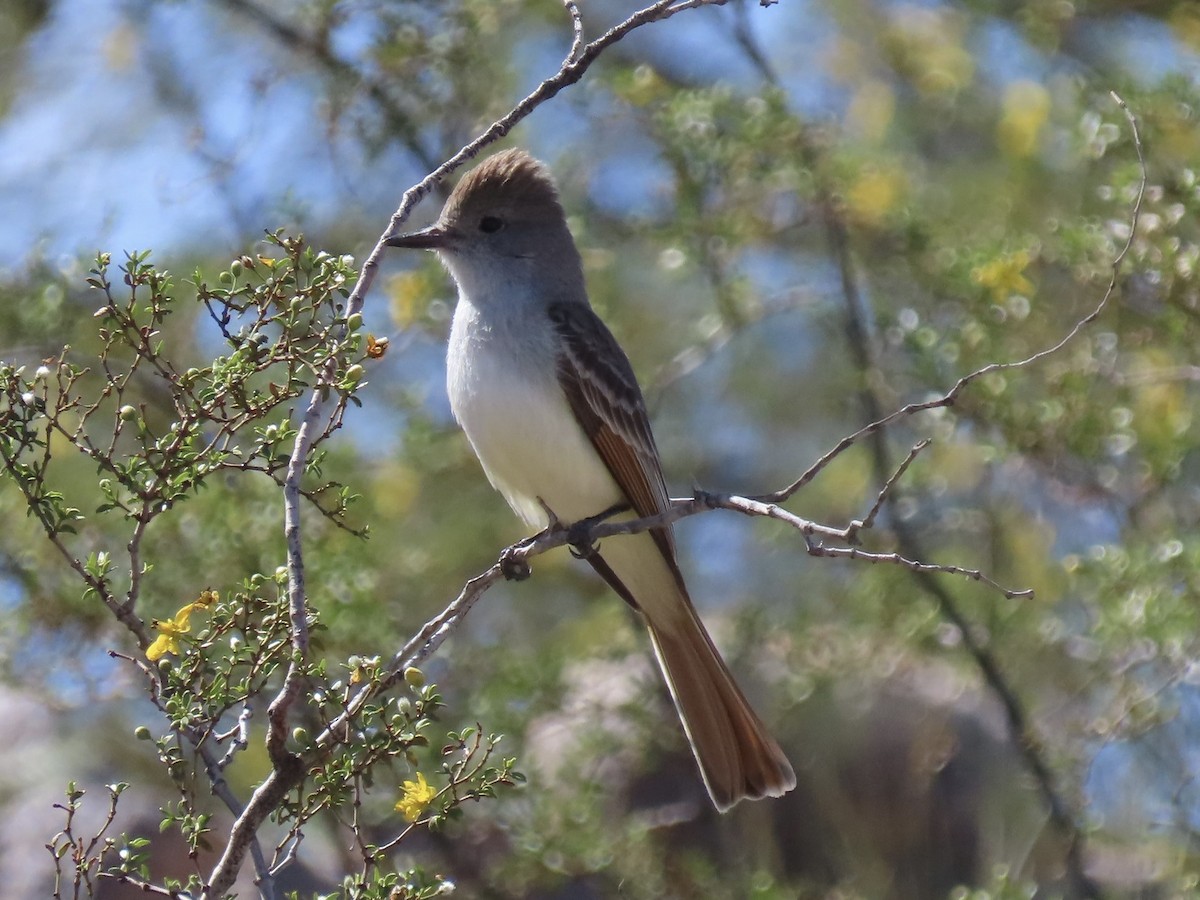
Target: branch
[244, 834]
[1061, 815]
[277, 712]
[287, 769]
[577, 29]
[146, 887]
[585, 534]
[575, 64]
[869, 521]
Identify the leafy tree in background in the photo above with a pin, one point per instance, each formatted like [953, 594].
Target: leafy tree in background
[798, 219]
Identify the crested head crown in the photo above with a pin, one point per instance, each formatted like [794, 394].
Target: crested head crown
[510, 178]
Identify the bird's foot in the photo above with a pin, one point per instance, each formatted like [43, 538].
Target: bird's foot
[579, 535]
[579, 540]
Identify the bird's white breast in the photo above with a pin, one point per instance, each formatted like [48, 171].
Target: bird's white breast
[505, 394]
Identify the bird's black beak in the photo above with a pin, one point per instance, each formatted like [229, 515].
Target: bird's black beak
[431, 238]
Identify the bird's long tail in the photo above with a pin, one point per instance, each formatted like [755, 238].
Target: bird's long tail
[738, 758]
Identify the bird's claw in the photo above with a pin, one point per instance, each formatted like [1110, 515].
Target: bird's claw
[579, 540]
[579, 535]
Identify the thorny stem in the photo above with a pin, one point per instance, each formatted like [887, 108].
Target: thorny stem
[123, 615]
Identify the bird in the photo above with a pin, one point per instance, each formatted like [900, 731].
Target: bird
[552, 409]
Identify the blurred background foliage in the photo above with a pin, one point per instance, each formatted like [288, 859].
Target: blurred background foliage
[795, 219]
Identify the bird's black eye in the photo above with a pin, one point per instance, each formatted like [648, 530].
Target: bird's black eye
[490, 224]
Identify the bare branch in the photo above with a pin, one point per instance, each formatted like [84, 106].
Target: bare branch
[572, 70]
[951, 396]
[277, 712]
[869, 521]
[146, 887]
[285, 857]
[426, 641]
[577, 29]
[240, 733]
[916, 566]
[243, 835]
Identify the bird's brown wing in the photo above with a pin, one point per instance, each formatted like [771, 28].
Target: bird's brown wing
[603, 393]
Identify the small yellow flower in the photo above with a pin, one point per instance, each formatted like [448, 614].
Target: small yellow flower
[1004, 275]
[417, 796]
[170, 630]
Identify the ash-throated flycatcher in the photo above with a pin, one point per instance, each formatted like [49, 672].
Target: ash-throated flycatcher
[552, 409]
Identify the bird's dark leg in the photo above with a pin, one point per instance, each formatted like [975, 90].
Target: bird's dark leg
[579, 540]
[579, 534]
[512, 567]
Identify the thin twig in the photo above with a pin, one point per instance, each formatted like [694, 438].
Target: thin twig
[292, 842]
[240, 733]
[869, 521]
[576, 28]
[146, 887]
[572, 69]
[427, 640]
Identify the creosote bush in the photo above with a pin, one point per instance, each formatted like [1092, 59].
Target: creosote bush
[156, 434]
